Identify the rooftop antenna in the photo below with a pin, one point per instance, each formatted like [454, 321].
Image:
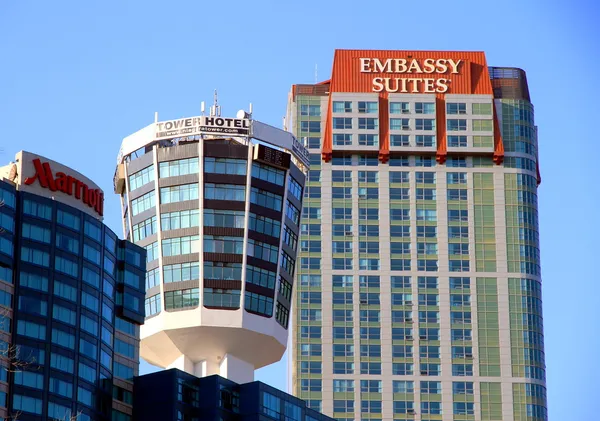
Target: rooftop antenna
[215, 110]
[250, 110]
[156, 116]
[202, 108]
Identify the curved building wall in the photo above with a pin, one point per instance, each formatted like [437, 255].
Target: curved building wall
[71, 304]
[219, 219]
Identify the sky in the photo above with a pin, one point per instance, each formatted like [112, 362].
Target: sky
[76, 77]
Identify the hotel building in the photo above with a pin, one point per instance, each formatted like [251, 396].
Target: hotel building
[71, 296]
[418, 282]
[216, 203]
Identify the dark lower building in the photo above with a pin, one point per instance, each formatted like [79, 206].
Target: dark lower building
[71, 296]
[173, 395]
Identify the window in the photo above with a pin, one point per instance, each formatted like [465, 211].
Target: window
[403, 386]
[30, 379]
[429, 351]
[313, 142]
[89, 325]
[186, 245]
[314, 192]
[182, 298]
[456, 108]
[456, 124]
[153, 305]
[342, 139]
[225, 166]
[289, 237]
[34, 256]
[143, 203]
[288, 263]
[462, 388]
[425, 141]
[399, 108]
[36, 233]
[89, 301]
[27, 404]
[266, 199]
[456, 162]
[482, 125]
[64, 339]
[424, 124]
[31, 305]
[426, 194]
[310, 126]
[462, 369]
[179, 167]
[368, 139]
[482, 109]
[268, 173]
[342, 106]
[8, 199]
[179, 193]
[282, 315]
[431, 408]
[183, 219]
[368, 123]
[457, 141]
[464, 408]
[367, 107]
[181, 272]
[424, 108]
[399, 140]
[259, 250]
[399, 124]
[221, 298]
[424, 161]
[122, 371]
[342, 123]
[61, 362]
[30, 329]
[256, 303]
[310, 110]
[138, 179]
[224, 192]
[212, 270]
[430, 369]
[402, 369]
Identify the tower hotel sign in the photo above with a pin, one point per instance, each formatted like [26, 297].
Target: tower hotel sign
[416, 75]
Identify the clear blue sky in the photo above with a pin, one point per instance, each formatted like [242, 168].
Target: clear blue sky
[76, 77]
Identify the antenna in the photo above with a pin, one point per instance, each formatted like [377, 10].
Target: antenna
[156, 116]
[202, 107]
[215, 110]
[250, 110]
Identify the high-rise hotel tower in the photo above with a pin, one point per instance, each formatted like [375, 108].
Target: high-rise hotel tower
[216, 202]
[419, 285]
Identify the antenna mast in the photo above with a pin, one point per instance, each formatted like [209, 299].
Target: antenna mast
[215, 110]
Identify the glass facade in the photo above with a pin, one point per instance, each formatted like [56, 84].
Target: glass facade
[64, 309]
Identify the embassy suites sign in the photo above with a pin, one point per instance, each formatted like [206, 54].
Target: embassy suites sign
[414, 75]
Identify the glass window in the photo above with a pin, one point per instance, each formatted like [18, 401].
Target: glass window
[368, 123]
[181, 298]
[86, 372]
[225, 166]
[342, 106]
[456, 108]
[33, 305]
[260, 304]
[179, 193]
[8, 198]
[179, 167]
[399, 108]
[266, 199]
[67, 243]
[341, 123]
[225, 192]
[425, 124]
[399, 140]
[342, 139]
[143, 203]
[61, 387]
[61, 362]
[35, 256]
[153, 305]
[36, 233]
[221, 298]
[368, 107]
[456, 124]
[399, 124]
[66, 266]
[30, 207]
[181, 245]
[222, 270]
[424, 108]
[27, 404]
